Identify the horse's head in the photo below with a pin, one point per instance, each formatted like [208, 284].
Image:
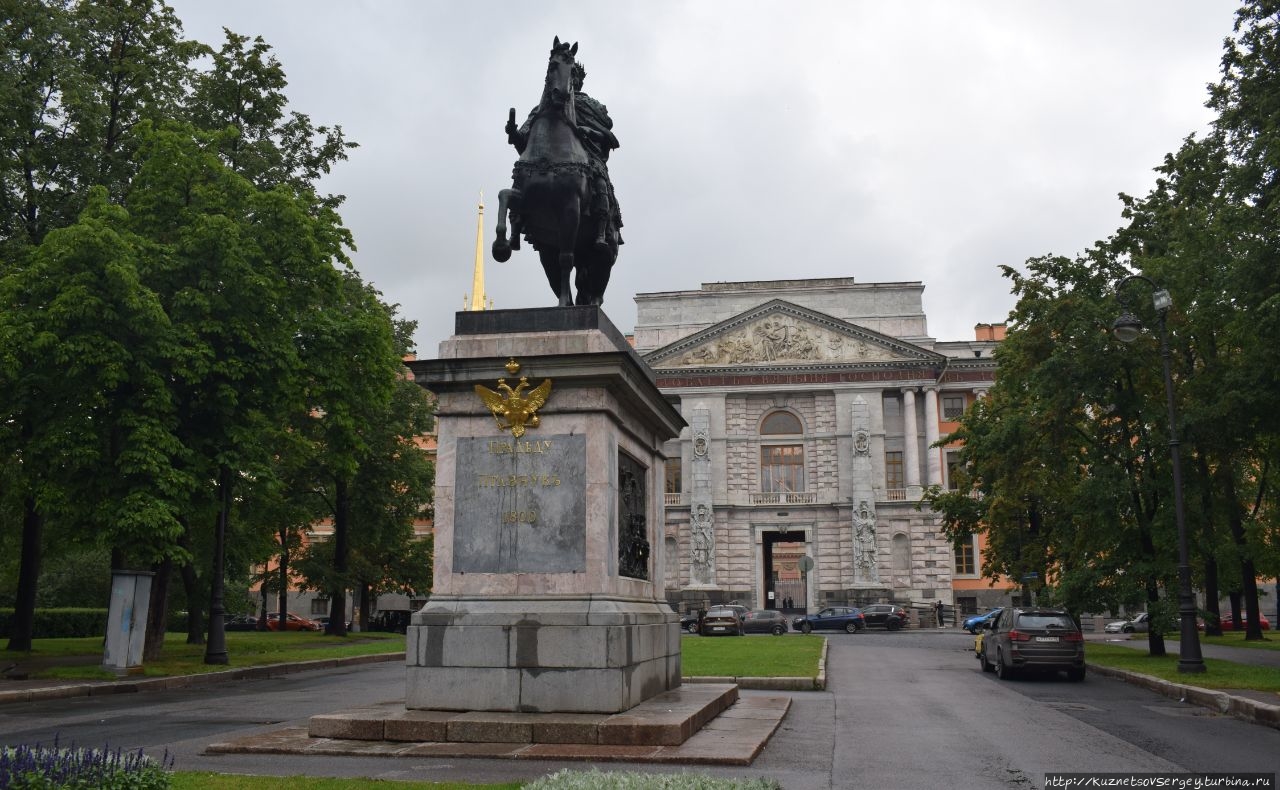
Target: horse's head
[557, 92]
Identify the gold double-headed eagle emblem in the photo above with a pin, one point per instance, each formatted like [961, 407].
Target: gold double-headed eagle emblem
[519, 412]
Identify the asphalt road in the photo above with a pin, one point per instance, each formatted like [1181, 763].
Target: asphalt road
[902, 710]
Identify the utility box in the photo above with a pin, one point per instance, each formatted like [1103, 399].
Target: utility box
[127, 621]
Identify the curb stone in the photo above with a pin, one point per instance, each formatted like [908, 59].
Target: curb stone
[102, 688]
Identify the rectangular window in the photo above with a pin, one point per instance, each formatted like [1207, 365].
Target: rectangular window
[966, 558]
[952, 407]
[954, 469]
[319, 605]
[893, 470]
[892, 406]
[672, 484]
[782, 469]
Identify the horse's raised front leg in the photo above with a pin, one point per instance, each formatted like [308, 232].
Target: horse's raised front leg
[502, 249]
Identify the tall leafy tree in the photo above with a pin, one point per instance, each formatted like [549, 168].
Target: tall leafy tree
[92, 348]
[76, 81]
[352, 367]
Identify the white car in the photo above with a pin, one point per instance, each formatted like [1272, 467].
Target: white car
[1140, 624]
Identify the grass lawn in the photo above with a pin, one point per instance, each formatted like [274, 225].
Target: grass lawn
[1219, 674]
[80, 659]
[1233, 639]
[794, 655]
[187, 780]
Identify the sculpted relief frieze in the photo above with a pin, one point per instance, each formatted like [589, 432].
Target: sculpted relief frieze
[781, 338]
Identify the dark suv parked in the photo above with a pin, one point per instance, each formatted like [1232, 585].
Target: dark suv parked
[1033, 638]
[885, 615]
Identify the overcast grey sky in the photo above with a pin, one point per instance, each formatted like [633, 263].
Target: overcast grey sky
[886, 141]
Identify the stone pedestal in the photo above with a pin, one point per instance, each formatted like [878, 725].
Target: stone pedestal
[548, 592]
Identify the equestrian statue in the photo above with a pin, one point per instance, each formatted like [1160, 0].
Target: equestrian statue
[561, 199]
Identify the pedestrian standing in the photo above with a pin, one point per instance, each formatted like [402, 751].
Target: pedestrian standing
[937, 609]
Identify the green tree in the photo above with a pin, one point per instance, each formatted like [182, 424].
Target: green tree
[393, 489]
[76, 81]
[91, 348]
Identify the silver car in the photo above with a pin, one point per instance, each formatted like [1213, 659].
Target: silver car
[1140, 624]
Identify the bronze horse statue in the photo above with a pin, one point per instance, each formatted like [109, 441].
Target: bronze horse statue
[551, 194]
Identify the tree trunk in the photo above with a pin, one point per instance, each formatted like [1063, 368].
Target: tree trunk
[262, 614]
[282, 599]
[191, 587]
[1248, 573]
[22, 625]
[338, 596]
[363, 620]
[158, 613]
[1211, 625]
[1155, 637]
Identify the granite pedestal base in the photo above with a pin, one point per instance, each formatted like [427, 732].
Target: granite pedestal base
[567, 654]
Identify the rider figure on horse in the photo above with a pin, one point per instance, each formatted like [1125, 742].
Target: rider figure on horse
[595, 130]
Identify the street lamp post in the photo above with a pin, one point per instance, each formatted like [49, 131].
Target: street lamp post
[1127, 328]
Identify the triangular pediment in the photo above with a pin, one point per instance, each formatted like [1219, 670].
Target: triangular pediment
[779, 333]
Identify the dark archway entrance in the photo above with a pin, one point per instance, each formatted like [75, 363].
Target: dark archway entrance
[782, 573]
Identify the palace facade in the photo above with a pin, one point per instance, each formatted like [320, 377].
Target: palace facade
[813, 407]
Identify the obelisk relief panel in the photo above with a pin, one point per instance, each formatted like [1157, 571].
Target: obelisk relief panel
[866, 572]
[702, 538]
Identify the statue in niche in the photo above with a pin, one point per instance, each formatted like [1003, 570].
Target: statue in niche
[703, 540]
[864, 543]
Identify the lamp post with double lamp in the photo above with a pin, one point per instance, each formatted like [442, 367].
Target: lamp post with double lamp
[1126, 329]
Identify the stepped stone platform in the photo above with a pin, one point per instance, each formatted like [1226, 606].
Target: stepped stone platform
[703, 724]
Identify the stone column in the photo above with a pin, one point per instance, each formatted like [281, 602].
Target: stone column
[933, 459]
[980, 392]
[702, 533]
[910, 438]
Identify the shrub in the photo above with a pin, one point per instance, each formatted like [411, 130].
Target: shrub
[47, 767]
[59, 623]
[596, 780]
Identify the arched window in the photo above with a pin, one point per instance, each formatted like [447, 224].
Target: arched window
[780, 422]
[782, 454]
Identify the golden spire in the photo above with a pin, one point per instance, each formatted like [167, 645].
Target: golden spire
[477, 299]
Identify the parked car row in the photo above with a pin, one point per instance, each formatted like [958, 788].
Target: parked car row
[1141, 624]
[1229, 624]
[732, 619]
[293, 622]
